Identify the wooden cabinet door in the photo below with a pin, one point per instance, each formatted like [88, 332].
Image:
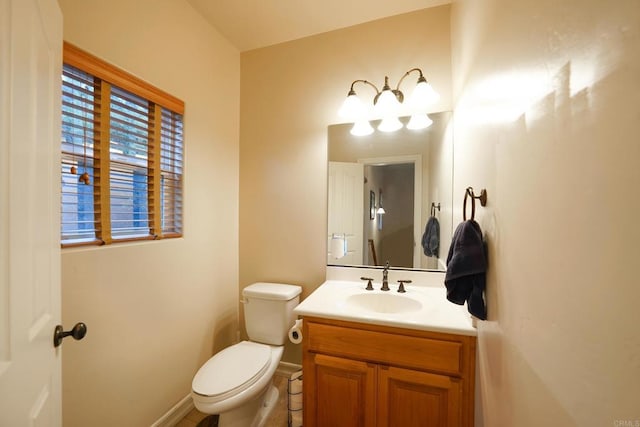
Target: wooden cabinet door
[413, 398]
[341, 392]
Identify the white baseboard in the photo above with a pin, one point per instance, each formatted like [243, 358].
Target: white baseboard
[285, 369]
[175, 414]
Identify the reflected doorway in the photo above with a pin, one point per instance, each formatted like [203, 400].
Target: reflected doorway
[392, 235]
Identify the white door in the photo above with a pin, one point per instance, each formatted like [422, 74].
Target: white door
[346, 210]
[30, 68]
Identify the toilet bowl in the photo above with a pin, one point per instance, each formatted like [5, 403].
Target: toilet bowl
[236, 383]
[239, 377]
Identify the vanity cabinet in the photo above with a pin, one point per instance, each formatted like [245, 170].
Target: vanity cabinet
[358, 374]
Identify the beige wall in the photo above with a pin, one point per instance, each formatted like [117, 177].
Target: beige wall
[561, 346]
[156, 311]
[290, 93]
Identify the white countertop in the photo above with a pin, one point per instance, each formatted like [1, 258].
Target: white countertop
[437, 314]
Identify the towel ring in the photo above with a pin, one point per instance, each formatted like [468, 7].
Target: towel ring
[469, 193]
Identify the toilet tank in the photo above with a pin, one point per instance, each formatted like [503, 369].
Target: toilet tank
[268, 311]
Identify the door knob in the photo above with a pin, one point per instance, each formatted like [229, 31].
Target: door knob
[78, 332]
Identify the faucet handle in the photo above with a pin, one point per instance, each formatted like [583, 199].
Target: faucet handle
[369, 285]
[401, 286]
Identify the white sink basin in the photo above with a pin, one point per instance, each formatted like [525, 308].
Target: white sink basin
[421, 307]
[384, 303]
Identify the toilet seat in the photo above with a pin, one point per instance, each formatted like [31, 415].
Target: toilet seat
[232, 370]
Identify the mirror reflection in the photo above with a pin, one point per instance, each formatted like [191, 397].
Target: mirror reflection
[390, 196]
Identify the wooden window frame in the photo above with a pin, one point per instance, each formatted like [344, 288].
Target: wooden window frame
[107, 76]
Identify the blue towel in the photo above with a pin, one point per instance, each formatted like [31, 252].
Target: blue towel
[431, 237]
[466, 269]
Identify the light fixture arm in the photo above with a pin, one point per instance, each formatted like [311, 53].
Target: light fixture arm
[353, 92]
[420, 79]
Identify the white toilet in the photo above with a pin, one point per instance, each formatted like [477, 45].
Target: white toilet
[236, 382]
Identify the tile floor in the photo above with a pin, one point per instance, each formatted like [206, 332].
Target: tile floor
[278, 417]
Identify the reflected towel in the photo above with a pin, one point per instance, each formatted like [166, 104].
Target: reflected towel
[338, 247]
[466, 269]
[431, 237]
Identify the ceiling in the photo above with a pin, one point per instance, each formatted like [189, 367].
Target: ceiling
[253, 24]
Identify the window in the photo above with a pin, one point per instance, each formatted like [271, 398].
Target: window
[122, 155]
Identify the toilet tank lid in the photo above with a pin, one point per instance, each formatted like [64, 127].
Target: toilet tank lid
[274, 291]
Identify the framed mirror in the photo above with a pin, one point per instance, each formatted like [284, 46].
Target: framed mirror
[390, 196]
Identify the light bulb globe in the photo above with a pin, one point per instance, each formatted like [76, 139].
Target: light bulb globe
[361, 128]
[423, 96]
[387, 104]
[352, 108]
[419, 121]
[389, 124]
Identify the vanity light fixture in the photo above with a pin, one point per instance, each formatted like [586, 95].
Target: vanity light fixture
[388, 105]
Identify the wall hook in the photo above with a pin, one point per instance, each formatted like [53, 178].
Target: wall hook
[434, 207]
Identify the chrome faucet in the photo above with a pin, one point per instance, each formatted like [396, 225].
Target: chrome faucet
[385, 277]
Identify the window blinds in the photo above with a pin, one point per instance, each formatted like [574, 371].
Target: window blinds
[78, 208]
[129, 156]
[131, 149]
[171, 172]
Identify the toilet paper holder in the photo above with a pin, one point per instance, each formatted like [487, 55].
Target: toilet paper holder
[295, 333]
